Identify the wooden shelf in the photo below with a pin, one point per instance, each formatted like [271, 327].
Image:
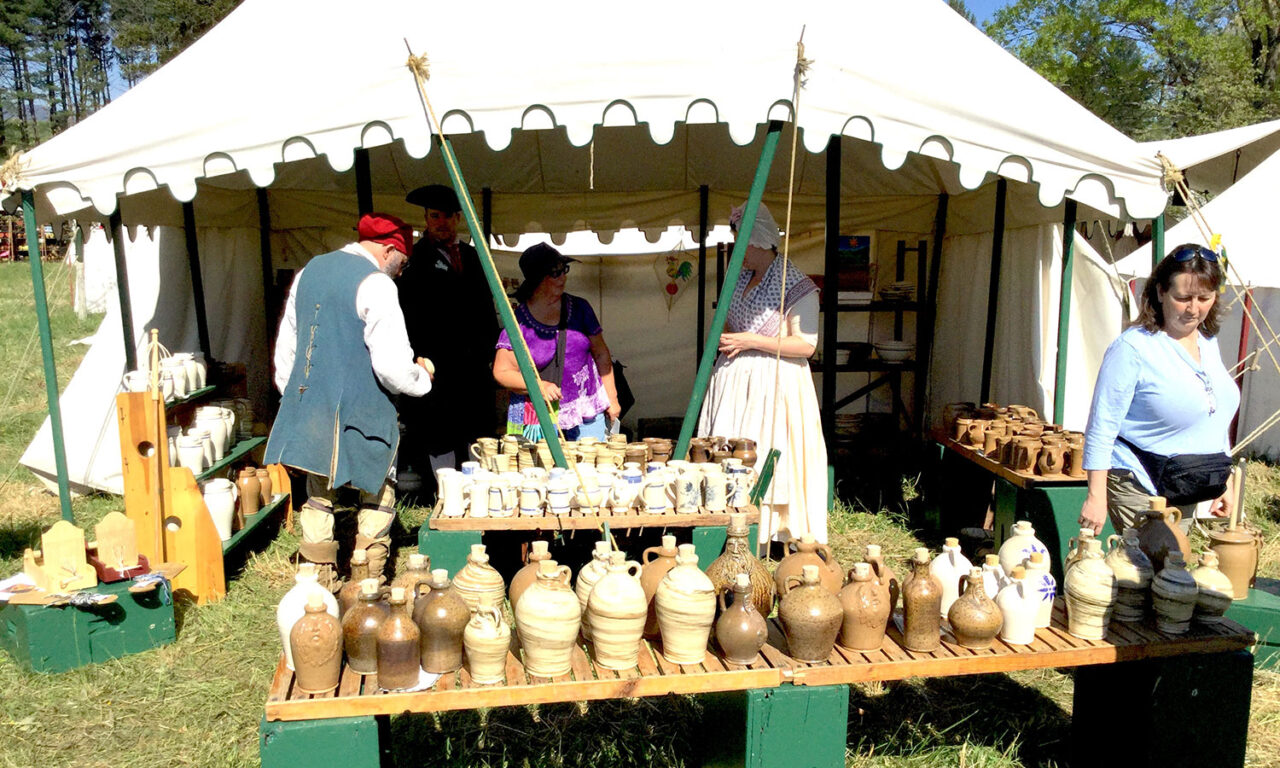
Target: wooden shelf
[879, 306]
[253, 521]
[238, 451]
[191, 397]
[577, 521]
[654, 675]
[870, 366]
[1021, 479]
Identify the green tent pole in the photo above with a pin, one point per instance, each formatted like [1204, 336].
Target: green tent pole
[730, 280]
[527, 370]
[46, 350]
[1157, 240]
[1064, 309]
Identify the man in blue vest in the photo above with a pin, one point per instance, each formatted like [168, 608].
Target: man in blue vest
[342, 353]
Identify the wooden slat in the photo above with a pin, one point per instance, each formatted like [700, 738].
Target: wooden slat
[279, 690]
[582, 666]
[515, 671]
[349, 685]
[645, 661]
[577, 521]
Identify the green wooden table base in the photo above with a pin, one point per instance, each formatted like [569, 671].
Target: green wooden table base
[48, 639]
[1261, 613]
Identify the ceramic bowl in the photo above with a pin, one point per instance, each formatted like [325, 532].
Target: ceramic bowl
[895, 351]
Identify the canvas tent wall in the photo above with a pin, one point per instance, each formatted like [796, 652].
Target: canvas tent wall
[1242, 215]
[572, 126]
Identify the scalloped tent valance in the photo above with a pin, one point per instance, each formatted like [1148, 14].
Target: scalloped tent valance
[560, 99]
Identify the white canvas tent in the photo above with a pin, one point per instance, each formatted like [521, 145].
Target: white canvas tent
[1242, 215]
[575, 122]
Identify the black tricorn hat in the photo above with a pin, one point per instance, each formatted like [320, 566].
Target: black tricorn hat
[436, 196]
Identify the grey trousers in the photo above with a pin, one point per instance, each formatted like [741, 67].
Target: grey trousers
[1127, 502]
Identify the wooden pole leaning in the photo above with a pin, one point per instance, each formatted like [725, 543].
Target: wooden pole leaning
[730, 280]
[528, 372]
[46, 350]
[1064, 309]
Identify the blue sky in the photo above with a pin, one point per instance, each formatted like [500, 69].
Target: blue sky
[984, 8]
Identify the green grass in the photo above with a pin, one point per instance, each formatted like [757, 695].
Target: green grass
[197, 702]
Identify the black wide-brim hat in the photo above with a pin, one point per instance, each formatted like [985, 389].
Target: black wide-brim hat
[536, 264]
[435, 196]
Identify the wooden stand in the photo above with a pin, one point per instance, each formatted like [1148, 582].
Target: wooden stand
[173, 524]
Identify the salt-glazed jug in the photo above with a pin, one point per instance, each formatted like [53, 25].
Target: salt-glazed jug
[811, 616]
[975, 618]
[1043, 585]
[883, 575]
[591, 573]
[539, 550]
[293, 605]
[478, 578]
[865, 605]
[1018, 606]
[441, 617]
[657, 561]
[1018, 547]
[398, 646]
[686, 607]
[1159, 534]
[740, 631]
[416, 576]
[349, 595]
[617, 609]
[548, 619]
[1090, 587]
[992, 575]
[807, 551]
[1215, 590]
[921, 606]
[738, 558]
[360, 628]
[1174, 594]
[486, 640]
[1075, 548]
[1133, 573]
[950, 567]
[316, 642]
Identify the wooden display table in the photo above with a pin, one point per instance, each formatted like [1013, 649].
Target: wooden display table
[1051, 504]
[297, 727]
[447, 540]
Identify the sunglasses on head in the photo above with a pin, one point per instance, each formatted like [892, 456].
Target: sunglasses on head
[1189, 252]
[559, 270]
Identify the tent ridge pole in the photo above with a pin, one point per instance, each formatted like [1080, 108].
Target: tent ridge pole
[993, 291]
[46, 350]
[730, 279]
[1064, 309]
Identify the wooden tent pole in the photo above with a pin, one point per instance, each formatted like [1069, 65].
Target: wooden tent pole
[993, 290]
[1064, 309]
[122, 289]
[730, 280]
[46, 351]
[197, 277]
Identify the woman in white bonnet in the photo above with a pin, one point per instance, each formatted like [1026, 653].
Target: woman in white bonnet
[742, 399]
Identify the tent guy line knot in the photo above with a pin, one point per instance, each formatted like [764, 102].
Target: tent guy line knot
[1172, 174]
[419, 65]
[11, 172]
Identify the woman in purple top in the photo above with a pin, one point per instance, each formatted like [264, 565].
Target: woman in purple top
[584, 388]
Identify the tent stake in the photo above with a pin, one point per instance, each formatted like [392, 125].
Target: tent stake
[993, 292]
[730, 280]
[1064, 309]
[46, 349]
[197, 278]
[122, 289]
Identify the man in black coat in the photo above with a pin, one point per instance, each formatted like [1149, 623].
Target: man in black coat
[449, 314]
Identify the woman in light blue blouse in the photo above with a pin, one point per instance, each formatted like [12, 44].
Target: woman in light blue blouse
[1163, 388]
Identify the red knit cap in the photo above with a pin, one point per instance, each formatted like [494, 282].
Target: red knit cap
[386, 229]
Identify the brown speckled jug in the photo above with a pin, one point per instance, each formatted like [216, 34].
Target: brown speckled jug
[807, 551]
[398, 648]
[811, 616]
[441, 617]
[740, 631]
[921, 606]
[316, 639]
[864, 603]
[975, 618]
[360, 629]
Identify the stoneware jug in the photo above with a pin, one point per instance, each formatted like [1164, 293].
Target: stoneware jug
[486, 640]
[266, 494]
[921, 606]
[950, 567]
[740, 631]
[548, 619]
[538, 551]
[316, 641]
[617, 608]
[811, 616]
[220, 498]
[1237, 551]
[398, 647]
[865, 608]
[416, 576]
[441, 617]
[250, 491]
[737, 558]
[360, 627]
[1018, 608]
[1019, 545]
[807, 551]
[1174, 594]
[1215, 590]
[1133, 573]
[478, 578]
[1160, 534]
[1042, 584]
[588, 576]
[974, 618]
[293, 605]
[657, 561]
[992, 575]
[349, 595]
[1075, 548]
[686, 608]
[883, 575]
[1090, 587]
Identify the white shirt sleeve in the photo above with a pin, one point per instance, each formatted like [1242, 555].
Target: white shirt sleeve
[378, 305]
[287, 338]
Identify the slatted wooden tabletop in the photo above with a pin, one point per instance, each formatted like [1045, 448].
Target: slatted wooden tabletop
[1020, 479]
[656, 676]
[578, 520]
